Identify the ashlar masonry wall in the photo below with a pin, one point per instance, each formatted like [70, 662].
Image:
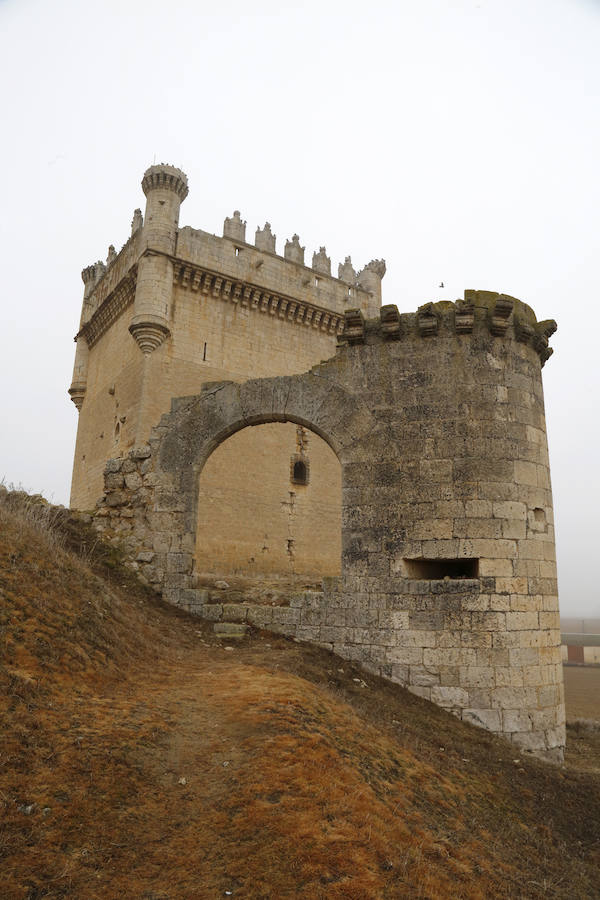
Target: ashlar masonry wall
[448, 581]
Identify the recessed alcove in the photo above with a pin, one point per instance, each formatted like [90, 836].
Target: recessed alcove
[438, 569]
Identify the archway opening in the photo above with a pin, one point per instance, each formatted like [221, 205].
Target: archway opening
[269, 504]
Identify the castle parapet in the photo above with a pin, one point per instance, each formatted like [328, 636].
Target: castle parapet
[137, 222]
[346, 271]
[321, 262]
[165, 178]
[264, 239]
[293, 251]
[484, 311]
[234, 228]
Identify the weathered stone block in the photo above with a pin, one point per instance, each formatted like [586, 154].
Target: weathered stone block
[449, 696]
[420, 675]
[112, 465]
[213, 612]
[145, 556]
[510, 510]
[521, 621]
[116, 498]
[133, 481]
[261, 616]
[113, 481]
[286, 615]
[307, 633]
[234, 612]
[179, 562]
[484, 718]
[141, 452]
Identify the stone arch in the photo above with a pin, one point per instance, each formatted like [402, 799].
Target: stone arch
[197, 425]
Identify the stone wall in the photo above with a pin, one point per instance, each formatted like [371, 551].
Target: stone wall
[253, 517]
[448, 581]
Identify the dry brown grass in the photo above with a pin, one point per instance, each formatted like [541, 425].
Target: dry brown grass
[141, 759]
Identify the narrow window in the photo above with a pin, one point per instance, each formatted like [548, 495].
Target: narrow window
[237, 251]
[299, 470]
[204, 353]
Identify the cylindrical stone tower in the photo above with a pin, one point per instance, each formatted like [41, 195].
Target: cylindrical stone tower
[165, 188]
[448, 534]
[370, 279]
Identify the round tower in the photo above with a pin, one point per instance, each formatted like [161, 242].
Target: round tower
[369, 279]
[165, 188]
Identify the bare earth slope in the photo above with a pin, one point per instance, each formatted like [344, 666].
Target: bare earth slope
[142, 758]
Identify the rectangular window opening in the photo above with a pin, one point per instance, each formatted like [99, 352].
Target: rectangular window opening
[204, 353]
[438, 569]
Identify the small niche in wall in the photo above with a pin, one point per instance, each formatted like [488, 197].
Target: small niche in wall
[299, 470]
[438, 569]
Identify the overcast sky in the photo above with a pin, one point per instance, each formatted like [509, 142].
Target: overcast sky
[459, 139]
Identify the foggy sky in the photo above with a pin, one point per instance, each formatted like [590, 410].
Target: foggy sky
[459, 140]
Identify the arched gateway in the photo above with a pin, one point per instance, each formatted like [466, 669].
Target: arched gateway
[448, 581]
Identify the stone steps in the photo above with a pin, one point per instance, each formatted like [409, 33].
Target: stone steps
[230, 630]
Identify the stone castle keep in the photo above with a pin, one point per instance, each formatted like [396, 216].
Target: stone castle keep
[410, 446]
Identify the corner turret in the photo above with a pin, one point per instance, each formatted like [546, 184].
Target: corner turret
[369, 279]
[165, 188]
[90, 276]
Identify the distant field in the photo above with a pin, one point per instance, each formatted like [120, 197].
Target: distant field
[582, 692]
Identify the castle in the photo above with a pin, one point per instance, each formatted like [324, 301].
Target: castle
[435, 418]
[177, 308]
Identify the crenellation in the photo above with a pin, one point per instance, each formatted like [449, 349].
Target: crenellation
[137, 222]
[235, 228]
[293, 251]
[321, 262]
[265, 239]
[346, 271]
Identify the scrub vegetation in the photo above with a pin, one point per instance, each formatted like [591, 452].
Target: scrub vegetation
[142, 757]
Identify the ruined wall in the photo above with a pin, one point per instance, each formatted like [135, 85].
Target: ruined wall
[295, 527]
[448, 581]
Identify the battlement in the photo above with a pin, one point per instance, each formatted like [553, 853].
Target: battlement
[167, 178]
[488, 311]
[245, 264]
[224, 267]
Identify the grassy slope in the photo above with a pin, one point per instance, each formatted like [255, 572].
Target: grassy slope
[140, 758]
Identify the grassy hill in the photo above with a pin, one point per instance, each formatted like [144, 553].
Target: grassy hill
[140, 757]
